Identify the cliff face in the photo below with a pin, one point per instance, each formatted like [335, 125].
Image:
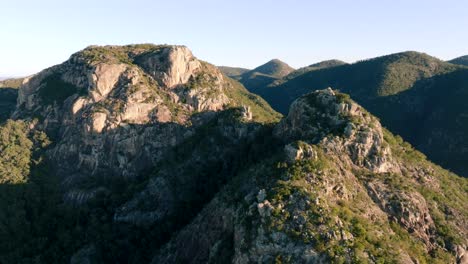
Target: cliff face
[114, 111]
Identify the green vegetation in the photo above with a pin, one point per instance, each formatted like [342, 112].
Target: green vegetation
[275, 68]
[323, 201]
[261, 111]
[445, 200]
[338, 229]
[463, 60]
[117, 54]
[15, 147]
[412, 94]
[372, 78]
[312, 67]
[11, 83]
[35, 224]
[8, 98]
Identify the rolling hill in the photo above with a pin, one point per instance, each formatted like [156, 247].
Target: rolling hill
[463, 60]
[261, 76]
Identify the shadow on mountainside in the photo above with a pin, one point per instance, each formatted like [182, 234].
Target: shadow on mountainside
[128, 219]
[7, 102]
[431, 114]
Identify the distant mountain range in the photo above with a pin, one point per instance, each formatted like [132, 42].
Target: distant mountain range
[261, 76]
[415, 95]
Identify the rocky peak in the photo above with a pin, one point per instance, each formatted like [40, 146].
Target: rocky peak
[334, 120]
[338, 187]
[115, 110]
[133, 84]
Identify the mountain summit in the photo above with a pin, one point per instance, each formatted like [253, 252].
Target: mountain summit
[275, 68]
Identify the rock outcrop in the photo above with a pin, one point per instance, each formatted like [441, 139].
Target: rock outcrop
[115, 111]
[320, 117]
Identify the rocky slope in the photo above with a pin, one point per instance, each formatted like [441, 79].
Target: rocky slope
[339, 188]
[261, 76]
[412, 93]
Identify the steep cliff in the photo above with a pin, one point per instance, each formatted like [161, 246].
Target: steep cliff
[114, 111]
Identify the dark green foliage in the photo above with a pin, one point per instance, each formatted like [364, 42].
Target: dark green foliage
[313, 67]
[432, 117]
[8, 95]
[35, 225]
[264, 75]
[275, 68]
[362, 80]
[15, 149]
[233, 72]
[30, 223]
[444, 202]
[463, 60]
[56, 90]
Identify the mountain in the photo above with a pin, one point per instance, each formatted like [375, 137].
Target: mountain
[412, 93]
[146, 154]
[316, 66]
[338, 188]
[264, 74]
[120, 118]
[233, 72]
[463, 60]
[8, 95]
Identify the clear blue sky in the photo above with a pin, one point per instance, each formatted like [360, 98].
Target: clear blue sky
[36, 34]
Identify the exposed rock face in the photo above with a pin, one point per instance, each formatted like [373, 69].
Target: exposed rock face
[104, 78]
[172, 66]
[299, 151]
[112, 117]
[319, 117]
[408, 208]
[461, 254]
